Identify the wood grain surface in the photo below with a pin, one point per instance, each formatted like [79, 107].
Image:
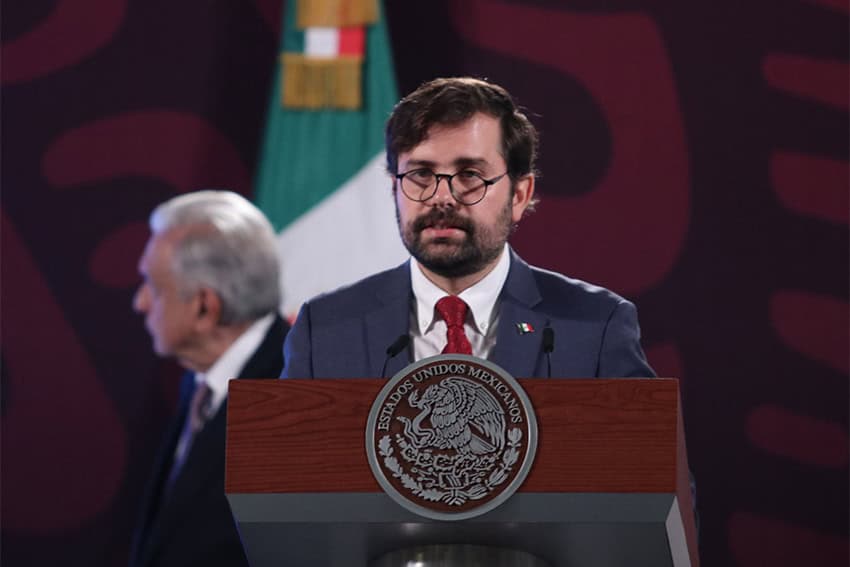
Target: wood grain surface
[613, 435]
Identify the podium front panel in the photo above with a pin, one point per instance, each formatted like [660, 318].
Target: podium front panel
[605, 488]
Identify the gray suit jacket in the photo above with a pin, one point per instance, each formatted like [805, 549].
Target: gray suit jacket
[345, 334]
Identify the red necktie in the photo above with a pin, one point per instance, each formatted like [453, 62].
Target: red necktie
[453, 311]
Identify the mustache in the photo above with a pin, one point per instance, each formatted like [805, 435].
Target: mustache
[442, 217]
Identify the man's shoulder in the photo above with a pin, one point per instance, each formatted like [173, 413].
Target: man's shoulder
[362, 295]
[557, 282]
[573, 296]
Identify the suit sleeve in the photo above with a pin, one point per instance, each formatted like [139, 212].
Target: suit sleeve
[621, 355]
[297, 348]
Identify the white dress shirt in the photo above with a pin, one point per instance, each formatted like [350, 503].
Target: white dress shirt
[427, 328]
[230, 364]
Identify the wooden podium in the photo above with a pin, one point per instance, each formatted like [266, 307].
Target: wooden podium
[609, 485]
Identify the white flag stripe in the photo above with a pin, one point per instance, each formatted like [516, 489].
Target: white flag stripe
[350, 234]
[321, 42]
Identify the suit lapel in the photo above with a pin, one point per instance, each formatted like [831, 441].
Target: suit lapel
[389, 320]
[267, 360]
[147, 535]
[516, 351]
[207, 448]
[208, 445]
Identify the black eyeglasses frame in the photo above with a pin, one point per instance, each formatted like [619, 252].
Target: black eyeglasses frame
[448, 177]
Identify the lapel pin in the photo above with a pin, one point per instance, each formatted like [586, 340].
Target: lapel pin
[523, 328]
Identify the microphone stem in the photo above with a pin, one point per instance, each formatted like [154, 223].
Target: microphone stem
[393, 350]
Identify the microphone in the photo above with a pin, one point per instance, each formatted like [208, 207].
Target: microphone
[548, 347]
[396, 347]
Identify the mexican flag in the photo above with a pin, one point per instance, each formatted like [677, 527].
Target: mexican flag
[321, 178]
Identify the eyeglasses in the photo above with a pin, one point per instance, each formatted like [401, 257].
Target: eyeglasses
[466, 186]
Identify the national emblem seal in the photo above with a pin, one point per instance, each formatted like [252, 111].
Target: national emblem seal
[451, 437]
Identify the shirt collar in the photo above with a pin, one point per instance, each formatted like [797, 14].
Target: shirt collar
[481, 297]
[231, 363]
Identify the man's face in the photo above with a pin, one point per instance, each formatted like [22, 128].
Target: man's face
[169, 318]
[447, 237]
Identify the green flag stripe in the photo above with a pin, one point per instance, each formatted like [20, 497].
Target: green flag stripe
[306, 154]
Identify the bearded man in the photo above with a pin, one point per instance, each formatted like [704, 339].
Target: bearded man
[461, 158]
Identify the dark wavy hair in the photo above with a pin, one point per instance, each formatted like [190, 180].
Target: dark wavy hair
[451, 101]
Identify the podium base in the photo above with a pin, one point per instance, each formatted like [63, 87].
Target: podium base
[452, 555]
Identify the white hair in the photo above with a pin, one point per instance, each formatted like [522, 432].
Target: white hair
[229, 247]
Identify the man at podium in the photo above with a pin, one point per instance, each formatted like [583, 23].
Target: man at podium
[461, 157]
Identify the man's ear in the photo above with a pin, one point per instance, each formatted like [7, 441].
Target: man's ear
[209, 308]
[523, 194]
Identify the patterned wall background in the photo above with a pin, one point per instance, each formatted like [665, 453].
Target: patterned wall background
[694, 159]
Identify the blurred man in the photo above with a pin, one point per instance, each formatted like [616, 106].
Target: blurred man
[461, 157]
[210, 297]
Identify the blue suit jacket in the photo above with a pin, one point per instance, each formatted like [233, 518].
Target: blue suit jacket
[194, 527]
[345, 334]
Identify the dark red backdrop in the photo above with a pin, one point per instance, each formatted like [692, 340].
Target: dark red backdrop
[694, 159]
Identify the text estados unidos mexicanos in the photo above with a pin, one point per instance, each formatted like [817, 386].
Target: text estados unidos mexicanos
[439, 370]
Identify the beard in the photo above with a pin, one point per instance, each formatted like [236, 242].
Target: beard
[479, 246]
